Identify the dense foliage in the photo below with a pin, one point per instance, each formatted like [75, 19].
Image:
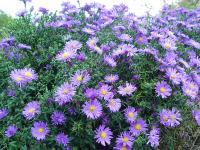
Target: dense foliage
[92, 78]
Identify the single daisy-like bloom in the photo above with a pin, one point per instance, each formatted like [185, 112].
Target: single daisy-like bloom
[39, 130]
[17, 76]
[190, 89]
[92, 42]
[31, 110]
[130, 114]
[112, 78]
[66, 55]
[92, 109]
[174, 118]
[62, 139]
[141, 39]
[73, 45]
[154, 137]
[10, 131]
[127, 89]
[196, 115]
[88, 31]
[58, 118]
[138, 127]
[125, 38]
[163, 89]
[168, 44]
[125, 139]
[170, 118]
[114, 104]
[29, 74]
[103, 135]
[80, 77]
[173, 75]
[110, 61]
[104, 92]
[64, 93]
[3, 113]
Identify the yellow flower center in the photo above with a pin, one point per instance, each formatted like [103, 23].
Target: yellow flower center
[92, 42]
[19, 79]
[28, 74]
[172, 117]
[137, 127]
[111, 78]
[173, 76]
[191, 85]
[162, 90]
[80, 78]
[65, 55]
[111, 102]
[123, 148]
[140, 39]
[164, 118]
[126, 89]
[167, 45]
[40, 130]
[131, 115]
[66, 91]
[103, 92]
[92, 108]
[31, 110]
[88, 31]
[103, 135]
[125, 139]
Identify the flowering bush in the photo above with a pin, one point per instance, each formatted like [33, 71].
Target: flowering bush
[92, 78]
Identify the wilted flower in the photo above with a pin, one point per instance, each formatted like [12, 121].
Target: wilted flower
[153, 137]
[127, 89]
[112, 78]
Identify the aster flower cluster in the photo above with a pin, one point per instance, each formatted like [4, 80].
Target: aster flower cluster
[103, 75]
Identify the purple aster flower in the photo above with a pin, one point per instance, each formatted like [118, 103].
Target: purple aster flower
[110, 61]
[31, 110]
[103, 135]
[29, 74]
[125, 139]
[141, 39]
[58, 118]
[191, 53]
[114, 104]
[92, 109]
[121, 147]
[196, 115]
[112, 78]
[81, 57]
[163, 89]
[43, 10]
[17, 76]
[125, 38]
[138, 127]
[73, 45]
[173, 75]
[88, 31]
[168, 44]
[10, 131]
[11, 93]
[190, 89]
[24, 46]
[3, 113]
[104, 92]
[21, 13]
[64, 93]
[130, 114]
[80, 77]
[62, 139]
[127, 89]
[66, 55]
[39, 130]
[170, 118]
[153, 137]
[92, 42]
[91, 93]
